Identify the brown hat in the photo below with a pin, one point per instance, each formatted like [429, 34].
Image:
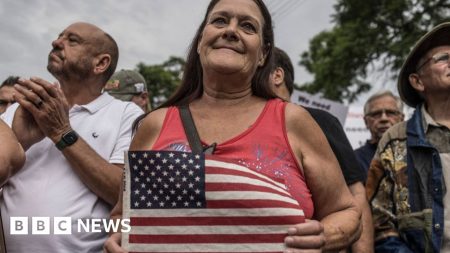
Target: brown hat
[438, 36]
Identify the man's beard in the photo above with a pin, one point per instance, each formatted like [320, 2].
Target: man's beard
[78, 70]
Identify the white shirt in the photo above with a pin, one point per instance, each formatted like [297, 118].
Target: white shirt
[48, 187]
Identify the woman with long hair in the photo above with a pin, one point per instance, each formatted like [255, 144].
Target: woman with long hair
[226, 89]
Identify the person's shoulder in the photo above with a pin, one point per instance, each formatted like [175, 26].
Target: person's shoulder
[360, 149]
[132, 107]
[148, 129]
[112, 103]
[294, 111]
[159, 113]
[322, 117]
[298, 119]
[153, 119]
[319, 112]
[126, 111]
[394, 133]
[398, 130]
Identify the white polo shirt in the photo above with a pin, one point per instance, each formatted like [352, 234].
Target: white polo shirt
[48, 187]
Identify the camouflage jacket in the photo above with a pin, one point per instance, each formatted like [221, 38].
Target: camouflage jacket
[405, 187]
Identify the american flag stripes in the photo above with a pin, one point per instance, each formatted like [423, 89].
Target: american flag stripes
[184, 202]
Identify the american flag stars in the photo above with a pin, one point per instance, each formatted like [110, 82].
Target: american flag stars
[167, 179]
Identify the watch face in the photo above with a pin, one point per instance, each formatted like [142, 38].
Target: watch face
[70, 138]
[67, 140]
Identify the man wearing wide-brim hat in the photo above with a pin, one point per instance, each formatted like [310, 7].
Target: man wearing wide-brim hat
[410, 173]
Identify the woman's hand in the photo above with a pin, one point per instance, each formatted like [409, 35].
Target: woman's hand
[112, 245]
[305, 237]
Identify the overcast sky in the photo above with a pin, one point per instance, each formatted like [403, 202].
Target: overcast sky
[146, 31]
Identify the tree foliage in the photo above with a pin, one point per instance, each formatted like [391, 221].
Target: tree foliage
[369, 33]
[162, 79]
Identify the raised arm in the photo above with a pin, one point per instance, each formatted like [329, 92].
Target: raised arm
[334, 204]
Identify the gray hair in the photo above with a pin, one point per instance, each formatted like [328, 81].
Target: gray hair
[383, 93]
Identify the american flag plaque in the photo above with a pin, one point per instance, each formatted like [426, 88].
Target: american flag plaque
[186, 202]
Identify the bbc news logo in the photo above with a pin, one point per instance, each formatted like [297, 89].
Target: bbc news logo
[64, 225]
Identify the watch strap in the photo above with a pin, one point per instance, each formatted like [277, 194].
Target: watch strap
[67, 139]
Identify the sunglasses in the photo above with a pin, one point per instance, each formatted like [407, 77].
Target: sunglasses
[440, 58]
[379, 113]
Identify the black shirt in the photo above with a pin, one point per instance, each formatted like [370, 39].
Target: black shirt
[365, 153]
[340, 145]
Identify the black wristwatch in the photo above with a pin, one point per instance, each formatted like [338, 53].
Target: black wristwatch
[67, 139]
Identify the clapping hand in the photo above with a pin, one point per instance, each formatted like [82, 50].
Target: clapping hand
[48, 106]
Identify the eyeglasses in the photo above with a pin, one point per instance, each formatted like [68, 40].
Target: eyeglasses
[379, 113]
[437, 58]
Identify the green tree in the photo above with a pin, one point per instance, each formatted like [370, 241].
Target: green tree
[162, 79]
[369, 33]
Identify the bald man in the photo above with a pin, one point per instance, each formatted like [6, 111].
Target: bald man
[75, 137]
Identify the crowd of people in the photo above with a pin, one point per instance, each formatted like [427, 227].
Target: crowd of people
[66, 149]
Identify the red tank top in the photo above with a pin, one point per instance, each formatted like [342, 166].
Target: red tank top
[263, 147]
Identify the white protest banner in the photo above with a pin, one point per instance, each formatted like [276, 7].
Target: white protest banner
[305, 99]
